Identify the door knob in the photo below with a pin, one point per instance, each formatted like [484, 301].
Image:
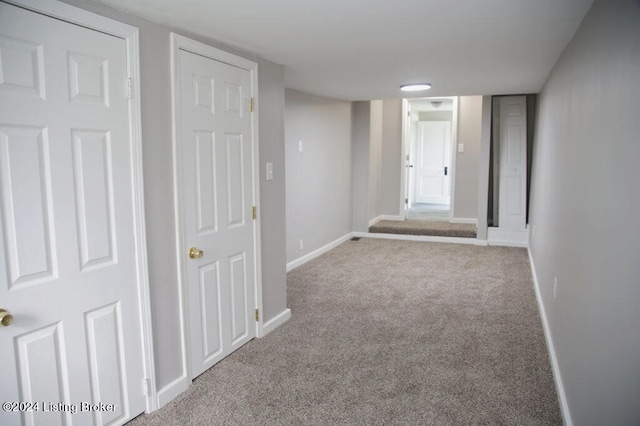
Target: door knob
[195, 253]
[6, 319]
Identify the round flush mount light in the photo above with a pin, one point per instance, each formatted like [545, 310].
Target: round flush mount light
[415, 87]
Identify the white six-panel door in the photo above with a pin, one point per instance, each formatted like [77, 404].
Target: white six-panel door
[67, 261]
[433, 153]
[513, 163]
[216, 169]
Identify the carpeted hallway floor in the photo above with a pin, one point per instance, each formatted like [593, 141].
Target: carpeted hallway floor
[389, 332]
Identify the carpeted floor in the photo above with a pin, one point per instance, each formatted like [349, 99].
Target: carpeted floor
[421, 227]
[389, 332]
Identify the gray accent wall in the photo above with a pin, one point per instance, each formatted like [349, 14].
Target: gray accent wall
[157, 142]
[467, 169]
[391, 164]
[318, 179]
[375, 159]
[360, 168]
[272, 193]
[584, 214]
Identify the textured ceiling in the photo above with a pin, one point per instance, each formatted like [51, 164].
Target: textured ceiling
[365, 49]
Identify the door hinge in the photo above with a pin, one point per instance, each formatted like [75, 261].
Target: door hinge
[254, 212]
[146, 387]
[129, 88]
[257, 315]
[406, 201]
[251, 105]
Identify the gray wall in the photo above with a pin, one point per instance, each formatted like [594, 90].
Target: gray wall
[272, 193]
[318, 183]
[584, 214]
[360, 169]
[155, 87]
[391, 157]
[468, 162]
[375, 159]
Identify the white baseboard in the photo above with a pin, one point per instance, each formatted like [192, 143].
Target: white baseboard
[508, 237]
[390, 217]
[375, 220]
[276, 322]
[428, 238]
[562, 397]
[468, 220]
[304, 259]
[172, 390]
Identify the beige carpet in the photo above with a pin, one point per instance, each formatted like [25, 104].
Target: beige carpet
[389, 332]
[422, 227]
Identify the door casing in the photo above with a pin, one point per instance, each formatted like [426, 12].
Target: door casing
[130, 35]
[178, 43]
[406, 195]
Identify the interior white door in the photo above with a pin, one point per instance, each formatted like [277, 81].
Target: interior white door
[68, 269]
[513, 163]
[217, 195]
[433, 157]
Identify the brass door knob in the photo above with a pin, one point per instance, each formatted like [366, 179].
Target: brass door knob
[195, 253]
[6, 319]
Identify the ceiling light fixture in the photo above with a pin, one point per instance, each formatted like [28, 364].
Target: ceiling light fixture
[436, 104]
[415, 87]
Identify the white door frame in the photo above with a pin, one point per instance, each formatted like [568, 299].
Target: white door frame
[178, 43]
[406, 148]
[130, 35]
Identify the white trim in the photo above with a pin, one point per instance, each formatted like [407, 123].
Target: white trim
[406, 147]
[385, 217]
[454, 156]
[304, 259]
[172, 390]
[427, 238]
[508, 237]
[467, 220]
[483, 176]
[404, 192]
[140, 222]
[390, 217]
[178, 43]
[130, 35]
[276, 321]
[182, 295]
[562, 397]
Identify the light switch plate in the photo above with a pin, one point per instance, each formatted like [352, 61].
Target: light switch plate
[269, 169]
[460, 147]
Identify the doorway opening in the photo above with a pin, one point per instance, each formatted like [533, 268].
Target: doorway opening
[428, 141]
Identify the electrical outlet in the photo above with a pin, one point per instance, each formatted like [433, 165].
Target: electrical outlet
[555, 286]
[301, 245]
[299, 146]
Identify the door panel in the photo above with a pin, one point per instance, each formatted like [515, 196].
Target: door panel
[513, 163]
[94, 205]
[26, 205]
[68, 263]
[235, 179]
[433, 155]
[216, 176]
[207, 197]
